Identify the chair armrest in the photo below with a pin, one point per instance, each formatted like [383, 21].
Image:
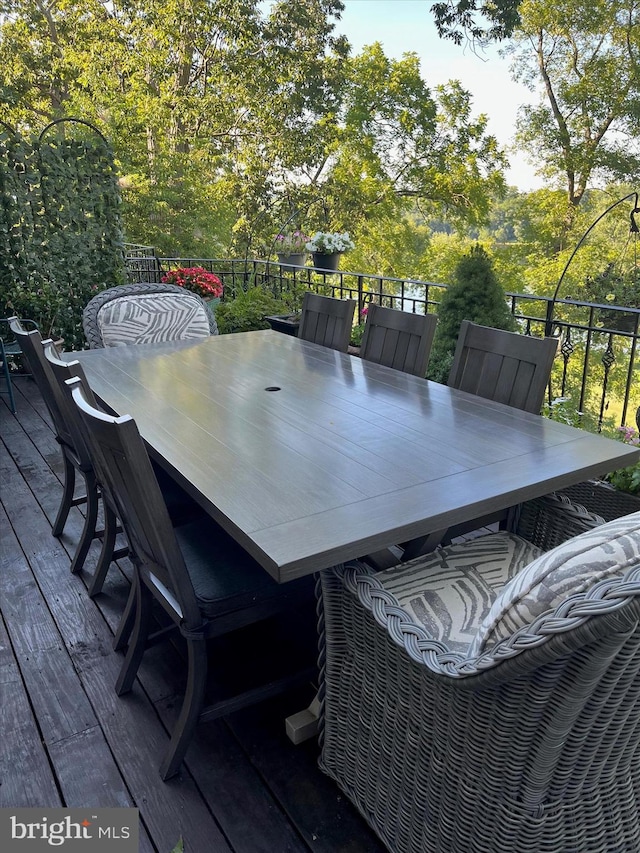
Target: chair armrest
[552, 519]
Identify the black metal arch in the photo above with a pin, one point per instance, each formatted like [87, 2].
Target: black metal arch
[76, 121]
[633, 229]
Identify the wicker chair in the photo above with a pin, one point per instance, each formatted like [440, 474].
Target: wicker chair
[485, 700]
[600, 497]
[146, 313]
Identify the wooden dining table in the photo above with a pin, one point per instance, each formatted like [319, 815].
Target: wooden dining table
[309, 457]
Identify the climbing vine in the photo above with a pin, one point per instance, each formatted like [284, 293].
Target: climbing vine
[60, 228]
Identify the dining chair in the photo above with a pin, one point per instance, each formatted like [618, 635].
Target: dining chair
[6, 375]
[75, 459]
[398, 339]
[503, 366]
[486, 698]
[497, 365]
[8, 350]
[203, 580]
[181, 507]
[146, 313]
[327, 321]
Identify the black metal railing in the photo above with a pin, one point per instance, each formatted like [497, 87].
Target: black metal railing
[593, 384]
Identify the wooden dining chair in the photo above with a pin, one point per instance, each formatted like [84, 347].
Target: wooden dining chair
[398, 339]
[498, 365]
[326, 321]
[202, 579]
[503, 366]
[146, 313]
[75, 458]
[181, 507]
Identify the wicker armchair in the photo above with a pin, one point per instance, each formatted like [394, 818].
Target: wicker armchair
[485, 700]
[146, 313]
[600, 497]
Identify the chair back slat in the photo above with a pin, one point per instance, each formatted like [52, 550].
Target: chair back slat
[503, 366]
[125, 469]
[326, 321]
[398, 339]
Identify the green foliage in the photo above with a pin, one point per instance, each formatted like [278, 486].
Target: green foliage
[243, 113]
[584, 53]
[476, 20]
[627, 479]
[60, 236]
[247, 311]
[615, 286]
[475, 295]
[179, 848]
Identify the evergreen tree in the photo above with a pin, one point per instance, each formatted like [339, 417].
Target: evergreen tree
[475, 295]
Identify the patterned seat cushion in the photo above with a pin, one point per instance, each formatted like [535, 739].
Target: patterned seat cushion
[152, 318]
[449, 591]
[568, 569]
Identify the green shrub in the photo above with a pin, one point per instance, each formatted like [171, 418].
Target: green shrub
[475, 295]
[247, 311]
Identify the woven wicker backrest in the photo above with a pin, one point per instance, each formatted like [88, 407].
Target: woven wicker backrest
[146, 313]
[125, 469]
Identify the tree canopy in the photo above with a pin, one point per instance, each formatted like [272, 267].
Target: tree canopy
[227, 118]
[478, 21]
[586, 53]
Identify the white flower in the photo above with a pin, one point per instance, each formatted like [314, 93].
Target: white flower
[327, 242]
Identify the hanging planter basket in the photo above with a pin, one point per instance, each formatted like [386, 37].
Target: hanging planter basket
[327, 262]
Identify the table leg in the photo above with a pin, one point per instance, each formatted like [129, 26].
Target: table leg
[304, 725]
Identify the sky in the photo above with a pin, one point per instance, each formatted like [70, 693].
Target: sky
[403, 26]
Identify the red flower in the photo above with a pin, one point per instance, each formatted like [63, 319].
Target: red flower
[197, 280]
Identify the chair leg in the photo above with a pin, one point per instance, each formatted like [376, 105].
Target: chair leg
[190, 711]
[7, 379]
[90, 522]
[68, 487]
[139, 636]
[106, 553]
[125, 626]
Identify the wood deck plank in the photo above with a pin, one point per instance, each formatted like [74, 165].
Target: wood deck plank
[131, 727]
[26, 777]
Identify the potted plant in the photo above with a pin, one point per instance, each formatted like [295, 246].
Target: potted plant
[198, 280]
[291, 249]
[326, 247]
[620, 289]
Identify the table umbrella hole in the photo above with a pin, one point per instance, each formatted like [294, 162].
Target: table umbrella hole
[273, 388]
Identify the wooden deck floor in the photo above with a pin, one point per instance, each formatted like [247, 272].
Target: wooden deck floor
[67, 739]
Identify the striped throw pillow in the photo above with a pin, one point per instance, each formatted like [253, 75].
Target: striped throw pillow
[569, 569]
